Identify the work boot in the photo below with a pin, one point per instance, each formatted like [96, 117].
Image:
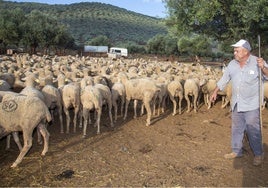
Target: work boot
[258, 160]
[232, 155]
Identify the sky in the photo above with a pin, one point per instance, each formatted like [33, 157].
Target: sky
[155, 8]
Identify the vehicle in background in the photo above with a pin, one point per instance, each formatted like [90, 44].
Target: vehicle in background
[117, 52]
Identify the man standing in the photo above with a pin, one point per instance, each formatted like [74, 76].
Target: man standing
[243, 72]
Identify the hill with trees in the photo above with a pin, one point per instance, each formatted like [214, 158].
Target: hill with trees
[89, 20]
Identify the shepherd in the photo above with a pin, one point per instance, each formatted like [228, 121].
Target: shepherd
[246, 72]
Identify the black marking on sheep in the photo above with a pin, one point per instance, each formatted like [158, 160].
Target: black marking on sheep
[9, 106]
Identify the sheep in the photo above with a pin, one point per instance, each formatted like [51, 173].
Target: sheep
[8, 77]
[70, 94]
[93, 97]
[23, 113]
[175, 89]
[15, 134]
[18, 84]
[53, 99]
[30, 87]
[118, 93]
[192, 88]
[207, 90]
[265, 94]
[4, 86]
[160, 98]
[31, 91]
[140, 89]
[226, 95]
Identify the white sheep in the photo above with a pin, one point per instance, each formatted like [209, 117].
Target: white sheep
[93, 97]
[175, 90]
[23, 113]
[118, 95]
[71, 98]
[142, 89]
[30, 87]
[53, 99]
[226, 95]
[160, 98]
[192, 88]
[207, 90]
[14, 134]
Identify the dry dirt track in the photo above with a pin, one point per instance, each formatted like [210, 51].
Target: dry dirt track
[182, 150]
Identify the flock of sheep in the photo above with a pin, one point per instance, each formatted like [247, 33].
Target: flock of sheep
[33, 87]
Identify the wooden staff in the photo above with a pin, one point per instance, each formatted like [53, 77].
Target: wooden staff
[261, 93]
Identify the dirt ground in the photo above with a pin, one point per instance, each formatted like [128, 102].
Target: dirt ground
[182, 150]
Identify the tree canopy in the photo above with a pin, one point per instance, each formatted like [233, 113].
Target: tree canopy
[32, 30]
[224, 20]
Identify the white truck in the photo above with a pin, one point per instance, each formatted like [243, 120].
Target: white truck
[117, 52]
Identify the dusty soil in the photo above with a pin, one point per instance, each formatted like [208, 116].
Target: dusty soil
[182, 150]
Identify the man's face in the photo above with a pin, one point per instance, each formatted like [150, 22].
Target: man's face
[240, 54]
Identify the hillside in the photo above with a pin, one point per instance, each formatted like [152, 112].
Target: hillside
[88, 20]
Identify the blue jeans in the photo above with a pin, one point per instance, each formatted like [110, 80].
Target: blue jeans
[248, 122]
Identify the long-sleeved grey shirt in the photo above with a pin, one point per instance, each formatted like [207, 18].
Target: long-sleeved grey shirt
[245, 84]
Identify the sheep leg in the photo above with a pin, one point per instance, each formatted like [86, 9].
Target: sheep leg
[149, 112]
[110, 112]
[28, 141]
[115, 110]
[142, 109]
[208, 101]
[86, 117]
[174, 104]
[81, 117]
[16, 139]
[195, 99]
[98, 119]
[122, 104]
[52, 114]
[43, 130]
[158, 107]
[264, 104]
[180, 100]
[225, 103]
[68, 119]
[126, 108]
[61, 119]
[8, 142]
[163, 105]
[205, 99]
[76, 110]
[188, 103]
[135, 108]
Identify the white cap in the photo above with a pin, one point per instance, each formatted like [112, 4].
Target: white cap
[242, 43]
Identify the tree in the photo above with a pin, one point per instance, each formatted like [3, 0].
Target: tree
[43, 31]
[10, 22]
[100, 40]
[162, 44]
[224, 20]
[63, 39]
[195, 45]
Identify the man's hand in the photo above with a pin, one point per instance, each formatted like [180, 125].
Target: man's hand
[260, 62]
[213, 97]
